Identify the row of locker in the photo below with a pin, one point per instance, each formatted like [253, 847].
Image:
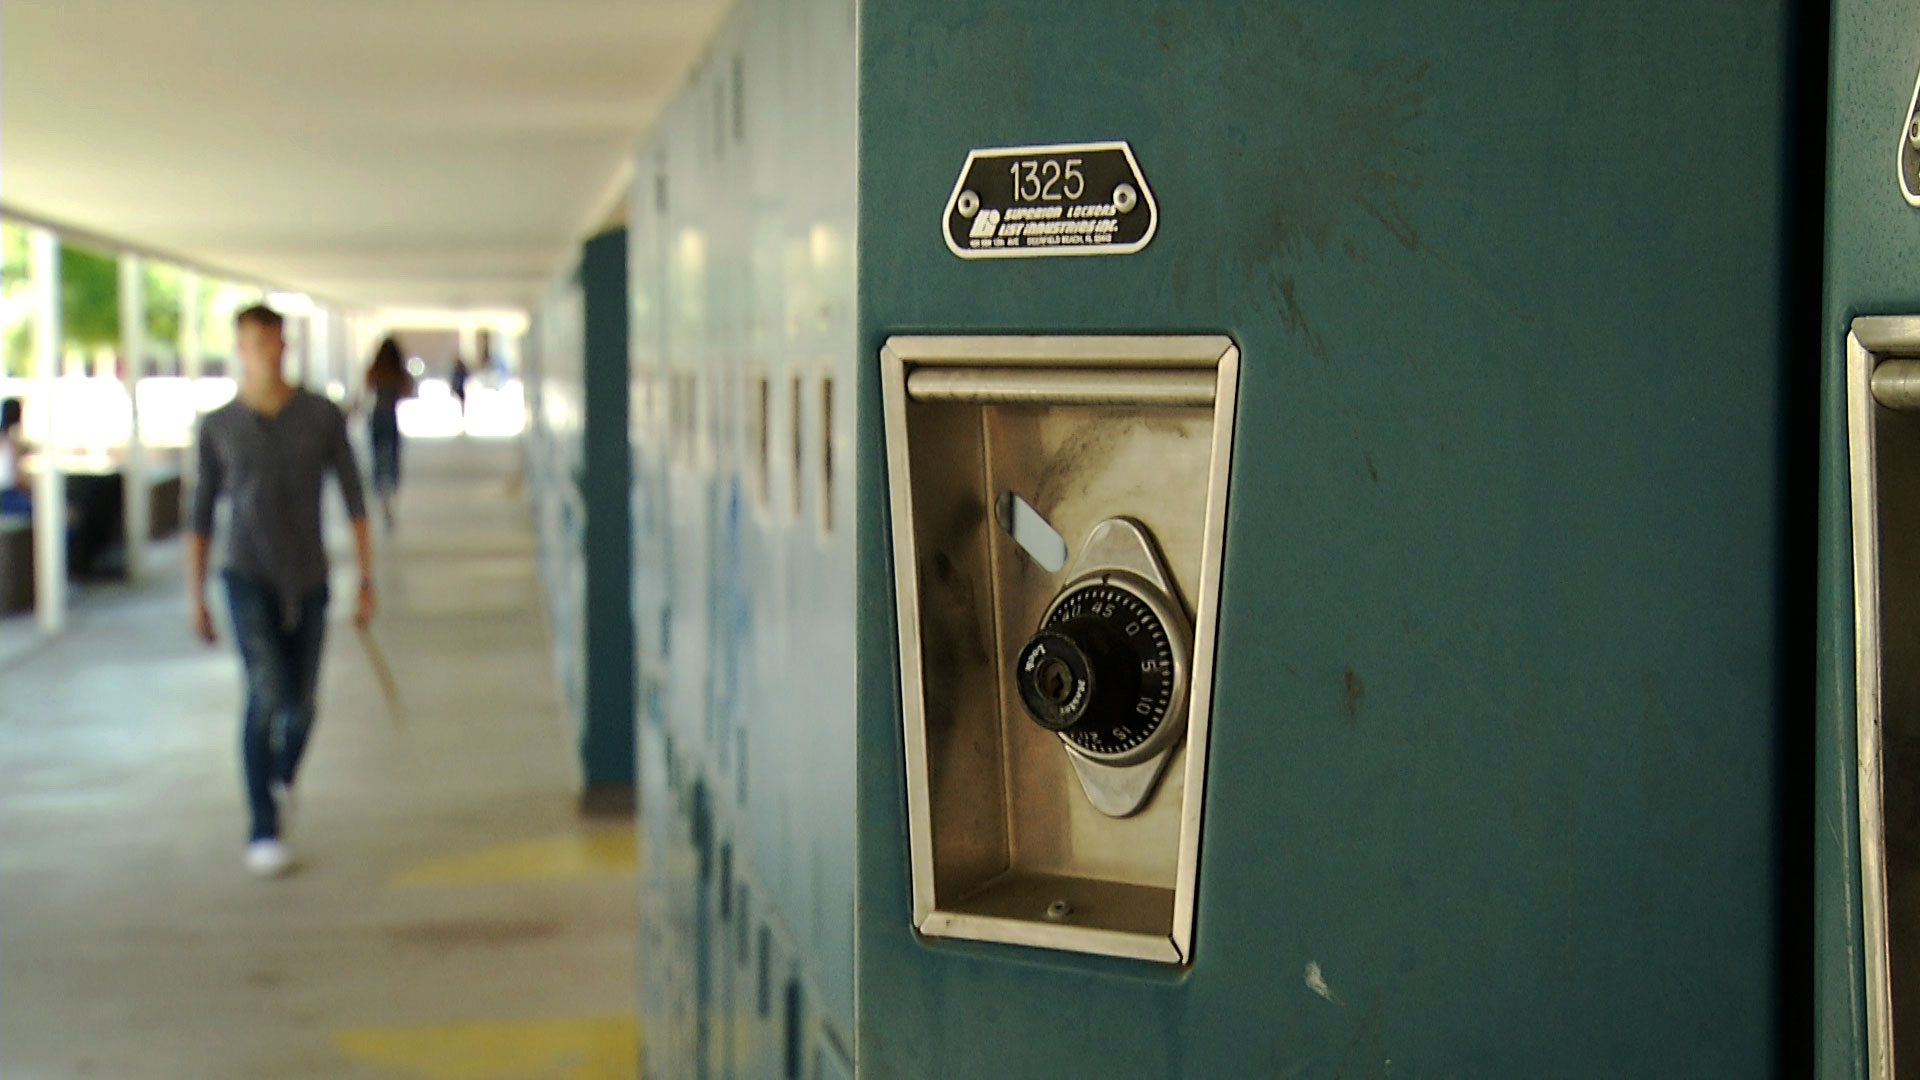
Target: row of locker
[738, 304]
[1510, 666]
[553, 457]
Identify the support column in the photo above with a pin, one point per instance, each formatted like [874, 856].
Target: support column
[49, 486]
[137, 492]
[511, 351]
[190, 369]
[349, 352]
[192, 349]
[320, 346]
[469, 339]
[297, 337]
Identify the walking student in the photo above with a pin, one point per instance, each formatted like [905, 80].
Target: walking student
[457, 382]
[389, 383]
[268, 452]
[15, 497]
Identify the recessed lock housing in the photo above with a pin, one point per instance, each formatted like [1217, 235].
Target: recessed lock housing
[1108, 668]
[1883, 443]
[1058, 508]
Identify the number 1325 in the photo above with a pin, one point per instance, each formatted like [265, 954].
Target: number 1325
[1047, 179]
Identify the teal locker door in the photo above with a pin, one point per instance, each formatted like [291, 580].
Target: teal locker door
[607, 712]
[747, 189]
[1494, 783]
[1872, 268]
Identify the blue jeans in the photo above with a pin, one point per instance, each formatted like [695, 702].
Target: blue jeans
[282, 664]
[385, 436]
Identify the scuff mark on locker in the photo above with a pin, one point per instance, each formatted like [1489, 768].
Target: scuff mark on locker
[1343, 163]
[1354, 694]
[1317, 982]
[1296, 316]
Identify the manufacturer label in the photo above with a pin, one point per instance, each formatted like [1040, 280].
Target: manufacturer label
[1030, 201]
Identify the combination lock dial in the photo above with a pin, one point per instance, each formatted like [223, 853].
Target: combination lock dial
[1107, 669]
[1100, 671]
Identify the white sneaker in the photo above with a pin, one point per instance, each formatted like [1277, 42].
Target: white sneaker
[268, 858]
[283, 805]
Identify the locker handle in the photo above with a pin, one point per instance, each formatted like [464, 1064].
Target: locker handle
[1058, 386]
[1896, 385]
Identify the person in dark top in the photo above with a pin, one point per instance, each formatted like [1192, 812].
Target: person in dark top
[15, 498]
[388, 383]
[457, 379]
[268, 453]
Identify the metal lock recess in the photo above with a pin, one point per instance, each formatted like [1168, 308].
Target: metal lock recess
[1055, 700]
[1883, 444]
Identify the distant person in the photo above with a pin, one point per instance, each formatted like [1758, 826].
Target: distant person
[14, 496]
[268, 452]
[458, 380]
[389, 384]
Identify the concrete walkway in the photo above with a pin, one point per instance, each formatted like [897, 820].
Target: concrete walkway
[453, 917]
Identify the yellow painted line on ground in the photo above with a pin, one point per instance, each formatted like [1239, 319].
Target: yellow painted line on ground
[605, 852]
[565, 1048]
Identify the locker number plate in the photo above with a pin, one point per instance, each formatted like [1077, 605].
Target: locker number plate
[1030, 201]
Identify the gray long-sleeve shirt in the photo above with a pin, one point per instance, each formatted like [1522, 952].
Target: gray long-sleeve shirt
[274, 468]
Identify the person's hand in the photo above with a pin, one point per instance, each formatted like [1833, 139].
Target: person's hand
[363, 609]
[202, 622]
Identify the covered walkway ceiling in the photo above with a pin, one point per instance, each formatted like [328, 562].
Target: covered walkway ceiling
[383, 153]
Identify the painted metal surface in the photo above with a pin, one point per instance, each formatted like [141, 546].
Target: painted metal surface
[1017, 834]
[741, 294]
[607, 728]
[1495, 779]
[1872, 268]
[578, 478]
[1881, 449]
[555, 461]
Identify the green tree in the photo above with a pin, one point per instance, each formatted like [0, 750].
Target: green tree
[15, 301]
[89, 298]
[90, 303]
[218, 303]
[163, 305]
[14, 266]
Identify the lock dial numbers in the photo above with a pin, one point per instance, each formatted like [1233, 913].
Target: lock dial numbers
[1101, 670]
